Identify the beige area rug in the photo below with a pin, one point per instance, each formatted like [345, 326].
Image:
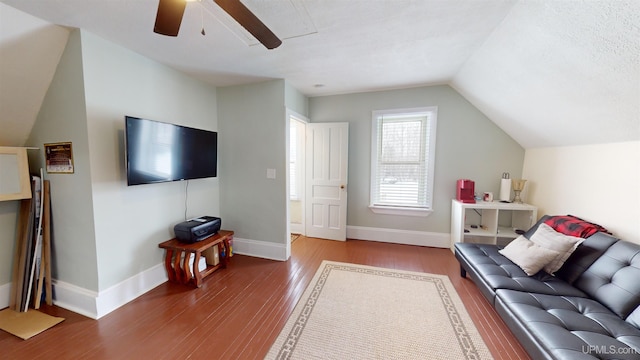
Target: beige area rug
[26, 324]
[352, 311]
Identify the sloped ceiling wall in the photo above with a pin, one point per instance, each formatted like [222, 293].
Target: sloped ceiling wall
[30, 50]
[549, 72]
[558, 73]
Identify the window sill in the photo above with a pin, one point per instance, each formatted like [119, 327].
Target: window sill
[392, 210]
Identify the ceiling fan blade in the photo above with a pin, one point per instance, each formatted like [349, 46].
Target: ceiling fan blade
[169, 17]
[249, 21]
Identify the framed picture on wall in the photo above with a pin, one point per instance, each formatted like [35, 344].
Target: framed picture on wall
[59, 158]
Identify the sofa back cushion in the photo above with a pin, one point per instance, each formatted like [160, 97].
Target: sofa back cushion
[565, 245]
[612, 279]
[634, 318]
[533, 229]
[584, 256]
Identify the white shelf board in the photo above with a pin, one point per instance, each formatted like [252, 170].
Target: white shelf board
[478, 232]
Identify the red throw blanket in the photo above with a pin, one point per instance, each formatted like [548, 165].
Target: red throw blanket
[574, 226]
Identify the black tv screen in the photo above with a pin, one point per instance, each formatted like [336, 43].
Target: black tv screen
[159, 152]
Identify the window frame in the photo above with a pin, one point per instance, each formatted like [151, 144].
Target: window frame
[431, 113]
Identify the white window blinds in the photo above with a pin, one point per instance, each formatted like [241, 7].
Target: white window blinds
[402, 160]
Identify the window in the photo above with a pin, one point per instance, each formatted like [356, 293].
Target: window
[402, 161]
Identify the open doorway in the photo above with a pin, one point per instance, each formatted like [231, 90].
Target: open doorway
[297, 134]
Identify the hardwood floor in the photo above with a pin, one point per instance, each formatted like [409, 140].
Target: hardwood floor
[239, 311]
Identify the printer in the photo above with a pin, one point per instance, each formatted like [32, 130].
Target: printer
[197, 229]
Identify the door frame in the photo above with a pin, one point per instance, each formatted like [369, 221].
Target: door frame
[294, 116]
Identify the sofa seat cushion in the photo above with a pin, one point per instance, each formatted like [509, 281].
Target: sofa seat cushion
[568, 327]
[487, 265]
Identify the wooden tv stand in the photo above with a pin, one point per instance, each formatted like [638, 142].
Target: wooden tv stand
[177, 254]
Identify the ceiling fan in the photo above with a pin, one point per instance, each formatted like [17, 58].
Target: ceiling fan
[170, 12]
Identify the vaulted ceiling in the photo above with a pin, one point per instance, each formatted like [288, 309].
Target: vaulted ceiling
[548, 72]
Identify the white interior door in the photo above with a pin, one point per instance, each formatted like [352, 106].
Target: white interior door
[326, 181]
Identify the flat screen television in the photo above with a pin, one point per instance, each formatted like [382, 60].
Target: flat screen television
[160, 152]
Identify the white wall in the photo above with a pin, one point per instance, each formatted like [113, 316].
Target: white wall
[599, 183]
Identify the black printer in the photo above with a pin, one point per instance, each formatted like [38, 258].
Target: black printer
[197, 229]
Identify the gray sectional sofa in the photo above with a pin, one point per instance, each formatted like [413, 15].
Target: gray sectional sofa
[590, 309]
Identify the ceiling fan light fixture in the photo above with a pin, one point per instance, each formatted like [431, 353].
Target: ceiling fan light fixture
[169, 17]
[240, 13]
[171, 12]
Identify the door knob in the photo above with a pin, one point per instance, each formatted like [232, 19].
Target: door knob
[342, 187]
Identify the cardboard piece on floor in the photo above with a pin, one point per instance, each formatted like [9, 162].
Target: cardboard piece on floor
[26, 324]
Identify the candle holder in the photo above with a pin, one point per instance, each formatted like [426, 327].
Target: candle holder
[518, 186]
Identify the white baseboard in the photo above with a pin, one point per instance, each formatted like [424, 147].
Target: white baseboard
[269, 250]
[96, 305]
[296, 228]
[5, 295]
[261, 249]
[75, 298]
[406, 237]
[129, 289]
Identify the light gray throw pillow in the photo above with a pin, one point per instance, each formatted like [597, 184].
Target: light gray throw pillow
[565, 245]
[529, 256]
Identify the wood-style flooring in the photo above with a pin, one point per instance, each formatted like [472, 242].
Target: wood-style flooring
[239, 311]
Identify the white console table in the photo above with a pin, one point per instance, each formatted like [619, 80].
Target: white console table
[489, 222]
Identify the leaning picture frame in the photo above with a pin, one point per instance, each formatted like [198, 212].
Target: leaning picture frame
[15, 182]
[59, 158]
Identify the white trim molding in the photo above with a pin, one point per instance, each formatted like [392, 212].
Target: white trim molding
[75, 298]
[396, 236]
[403, 211]
[98, 304]
[261, 249]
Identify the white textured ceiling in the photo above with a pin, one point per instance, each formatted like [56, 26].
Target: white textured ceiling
[560, 73]
[550, 73]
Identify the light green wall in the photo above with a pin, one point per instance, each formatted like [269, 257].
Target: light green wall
[130, 221]
[62, 118]
[296, 101]
[104, 231]
[252, 122]
[468, 145]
